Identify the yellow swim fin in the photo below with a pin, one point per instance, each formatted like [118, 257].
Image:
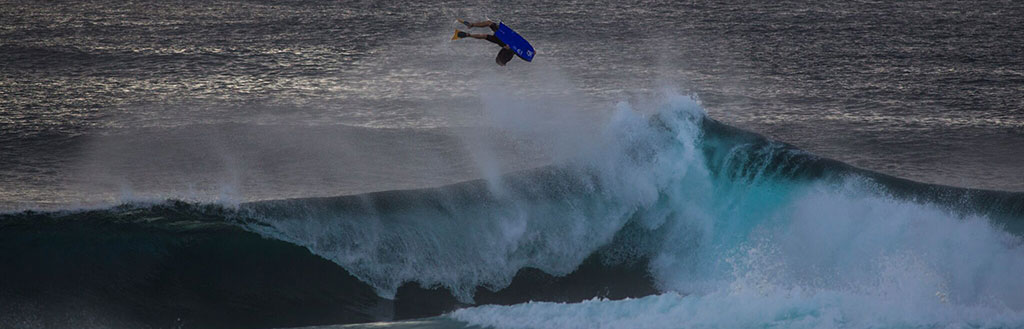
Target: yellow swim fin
[458, 34]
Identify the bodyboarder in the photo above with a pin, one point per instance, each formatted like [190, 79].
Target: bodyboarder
[504, 55]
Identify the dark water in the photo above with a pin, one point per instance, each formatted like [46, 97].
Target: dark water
[930, 91]
[277, 123]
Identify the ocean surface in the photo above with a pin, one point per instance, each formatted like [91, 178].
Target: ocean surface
[659, 164]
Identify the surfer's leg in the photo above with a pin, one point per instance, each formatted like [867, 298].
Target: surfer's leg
[494, 39]
[486, 23]
[482, 36]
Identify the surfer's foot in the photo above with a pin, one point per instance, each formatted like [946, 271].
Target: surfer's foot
[468, 24]
[461, 34]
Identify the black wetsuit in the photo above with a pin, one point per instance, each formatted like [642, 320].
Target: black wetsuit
[504, 55]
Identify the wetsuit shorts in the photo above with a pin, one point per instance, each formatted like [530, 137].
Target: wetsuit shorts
[492, 38]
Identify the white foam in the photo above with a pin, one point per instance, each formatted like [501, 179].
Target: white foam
[736, 309]
[832, 256]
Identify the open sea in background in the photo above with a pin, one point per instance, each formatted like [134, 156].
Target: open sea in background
[660, 164]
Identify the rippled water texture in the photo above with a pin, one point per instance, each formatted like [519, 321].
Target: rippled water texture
[103, 100]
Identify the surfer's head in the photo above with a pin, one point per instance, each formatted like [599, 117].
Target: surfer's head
[504, 55]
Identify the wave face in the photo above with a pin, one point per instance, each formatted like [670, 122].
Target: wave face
[724, 227]
[745, 232]
[169, 265]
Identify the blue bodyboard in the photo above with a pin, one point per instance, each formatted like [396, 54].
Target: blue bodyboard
[520, 46]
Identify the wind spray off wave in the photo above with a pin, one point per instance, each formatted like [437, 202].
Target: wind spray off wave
[481, 233]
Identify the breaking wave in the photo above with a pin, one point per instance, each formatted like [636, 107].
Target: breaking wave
[718, 227]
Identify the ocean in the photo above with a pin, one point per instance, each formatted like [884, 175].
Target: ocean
[659, 164]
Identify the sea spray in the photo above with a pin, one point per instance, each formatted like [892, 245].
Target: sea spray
[466, 235]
